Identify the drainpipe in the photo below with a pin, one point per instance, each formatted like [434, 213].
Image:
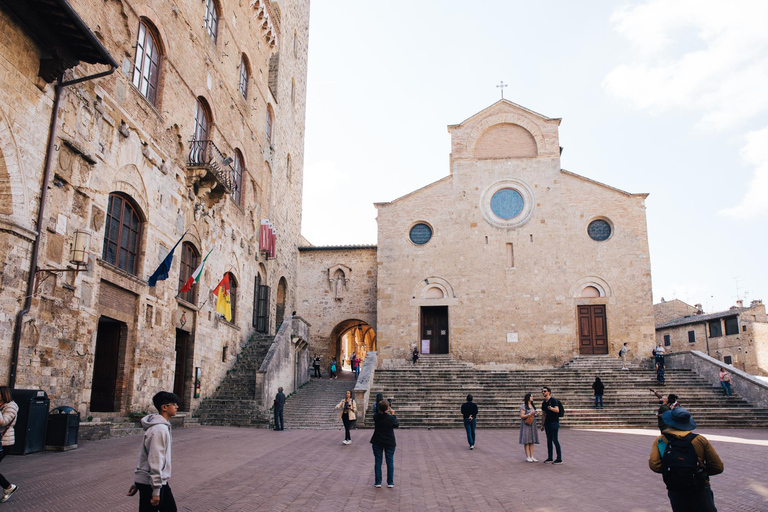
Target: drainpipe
[706, 337]
[40, 216]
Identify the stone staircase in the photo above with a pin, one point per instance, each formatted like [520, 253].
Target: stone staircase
[312, 406]
[430, 394]
[234, 402]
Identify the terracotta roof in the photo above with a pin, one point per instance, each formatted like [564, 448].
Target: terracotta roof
[696, 319]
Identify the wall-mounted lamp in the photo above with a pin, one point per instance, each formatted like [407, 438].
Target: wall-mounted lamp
[78, 256]
[227, 161]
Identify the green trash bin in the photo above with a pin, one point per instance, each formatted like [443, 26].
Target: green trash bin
[31, 421]
[63, 428]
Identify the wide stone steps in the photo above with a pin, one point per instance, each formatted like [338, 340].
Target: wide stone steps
[312, 406]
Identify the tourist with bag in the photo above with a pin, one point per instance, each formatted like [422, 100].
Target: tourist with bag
[599, 389]
[528, 433]
[383, 441]
[725, 382]
[333, 367]
[9, 411]
[348, 408]
[686, 461]
[316, 366]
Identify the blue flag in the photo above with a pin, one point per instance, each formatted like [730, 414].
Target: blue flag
[161, 274]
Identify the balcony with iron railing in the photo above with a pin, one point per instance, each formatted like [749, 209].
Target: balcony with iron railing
[209, 172]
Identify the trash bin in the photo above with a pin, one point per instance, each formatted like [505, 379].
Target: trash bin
[31, 421]
[63, 426]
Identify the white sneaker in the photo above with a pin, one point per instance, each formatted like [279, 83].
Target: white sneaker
[534, 460]
[7, 492]
[528, 459]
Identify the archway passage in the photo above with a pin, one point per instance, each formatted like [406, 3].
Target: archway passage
[352, 337]
[110, 342]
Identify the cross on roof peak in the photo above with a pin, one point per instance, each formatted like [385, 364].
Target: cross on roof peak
[501, 87]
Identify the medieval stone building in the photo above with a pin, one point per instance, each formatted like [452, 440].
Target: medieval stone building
[507, 260]
[198, 133]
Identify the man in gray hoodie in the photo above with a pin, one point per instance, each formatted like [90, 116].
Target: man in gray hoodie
[154, 466]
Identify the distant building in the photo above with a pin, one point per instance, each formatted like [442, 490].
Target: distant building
[738, 336]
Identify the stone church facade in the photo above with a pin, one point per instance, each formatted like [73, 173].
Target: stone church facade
[509, 259]
[199, 130]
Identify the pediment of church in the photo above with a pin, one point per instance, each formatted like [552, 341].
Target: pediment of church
[505, 130]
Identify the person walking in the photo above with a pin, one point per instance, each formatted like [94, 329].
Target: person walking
[9, 411]
[383, 442]
[415, 354]
[348, 408]
[528, 433]
[725, 382]
[356, 365]
[623, 355]
[686, 461]
[469, 411]
[551, 409]
[333, 367]
[660, 372]
[153, 470]
[316, 366]
[599, 389]
[279, 405]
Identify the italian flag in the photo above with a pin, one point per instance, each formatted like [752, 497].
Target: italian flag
[195, 277]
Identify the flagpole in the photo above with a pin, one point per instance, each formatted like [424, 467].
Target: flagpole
[211, 292]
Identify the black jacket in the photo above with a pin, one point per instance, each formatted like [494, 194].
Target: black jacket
[383, 430]
[469, 408]
[598, 387]
[279, 401]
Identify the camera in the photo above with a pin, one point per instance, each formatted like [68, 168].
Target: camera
[390, 400]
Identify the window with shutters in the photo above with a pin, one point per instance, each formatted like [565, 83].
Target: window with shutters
[715, 328]
[731, 326]
[691, 337]
[268, 128]
[189, 262]
[238, 167]
[212, 19]
[667, 341]
[146, 64]
[244, 74]
[122, 234]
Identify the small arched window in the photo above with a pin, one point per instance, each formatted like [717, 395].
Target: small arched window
[202, 120]
[189, 262]
[122, 236]
[233, 295]
[212, 20]
[238, 165]
[244, 74]
[268, 128]
[146, 66]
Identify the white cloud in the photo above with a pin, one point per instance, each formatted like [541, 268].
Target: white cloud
[707, 56]
[755, 201]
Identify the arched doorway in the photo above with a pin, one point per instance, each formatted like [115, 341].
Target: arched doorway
[280, 299]
[352, 336]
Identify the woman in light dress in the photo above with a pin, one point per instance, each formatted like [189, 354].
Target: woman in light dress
[529, 434]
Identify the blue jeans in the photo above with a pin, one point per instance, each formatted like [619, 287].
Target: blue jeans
[551, 430]
[600, 398]
[702, 501]
[278, 419]
[389, 454]
[357, 371]
[470, 426]
[726, 388]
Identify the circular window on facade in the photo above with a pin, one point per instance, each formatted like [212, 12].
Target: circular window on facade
[507, 203]
[420, 233]
[599, 230]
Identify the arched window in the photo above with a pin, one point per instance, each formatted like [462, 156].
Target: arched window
[189, 262]
[122, 236]
[244, 74]
[233, 295]
[146, 66]
[202, 120]
[238, 166]
[212, 20]
[268, 130]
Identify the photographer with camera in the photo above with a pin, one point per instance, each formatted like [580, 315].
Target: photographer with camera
[383, 441]
[348, 408]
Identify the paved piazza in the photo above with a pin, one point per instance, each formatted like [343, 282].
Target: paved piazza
[222, 468]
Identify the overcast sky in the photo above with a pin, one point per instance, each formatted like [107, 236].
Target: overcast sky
[667, 97]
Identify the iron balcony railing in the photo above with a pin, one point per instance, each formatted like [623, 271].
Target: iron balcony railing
[205, 154]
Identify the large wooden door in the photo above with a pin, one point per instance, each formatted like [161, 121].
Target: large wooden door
[180, 377]
[593, 332]
[434, 327]
[104, 386]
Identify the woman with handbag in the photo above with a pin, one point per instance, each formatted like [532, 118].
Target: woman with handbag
[528, 433]
[348, 409]
[8, 413]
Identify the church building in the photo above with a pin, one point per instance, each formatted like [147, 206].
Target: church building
[509, 259]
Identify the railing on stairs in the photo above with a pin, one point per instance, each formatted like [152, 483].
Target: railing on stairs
[364, 383]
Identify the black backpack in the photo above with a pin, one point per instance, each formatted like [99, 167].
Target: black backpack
[680, 465]
[561, 409]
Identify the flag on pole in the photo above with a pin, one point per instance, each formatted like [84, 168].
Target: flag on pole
[161, 274]
[223, 304]
[195, 277]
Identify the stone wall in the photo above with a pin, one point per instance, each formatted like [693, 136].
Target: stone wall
[512, 288]
[666, 311]
[111, 139]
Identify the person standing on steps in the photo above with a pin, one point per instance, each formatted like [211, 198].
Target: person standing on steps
[415, 354]
[356, 365]
[348, 408]
[551, 425]
[528, 433]
[725, 382]
[279, 406]
[599, 389]
[9, 411]
[469, 411]
[333, 367]
[659, 354]
[660, 372]
[686, 461]
[316, 365]
[383, 441]
[623, 355]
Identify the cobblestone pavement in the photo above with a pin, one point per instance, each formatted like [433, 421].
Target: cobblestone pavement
[221, 468]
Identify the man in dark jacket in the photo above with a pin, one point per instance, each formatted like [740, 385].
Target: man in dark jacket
[279, 405]
[551, 424]
[697, 498]
[469, 411]
[383, 441]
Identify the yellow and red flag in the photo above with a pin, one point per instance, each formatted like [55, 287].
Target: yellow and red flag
[223, 302]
